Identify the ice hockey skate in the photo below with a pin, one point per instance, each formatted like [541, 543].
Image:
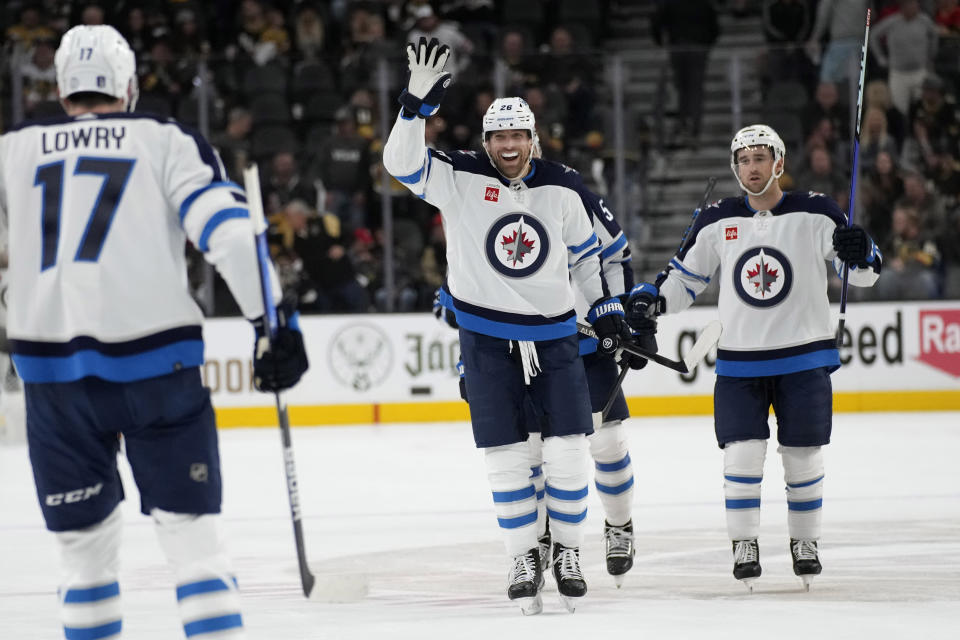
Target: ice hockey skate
[543, 545]
[620, 550]
[746, 562]
[566, 571]
[806, 560]
[526, 581]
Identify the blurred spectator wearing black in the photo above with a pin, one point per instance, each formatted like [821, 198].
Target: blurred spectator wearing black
[93, 14]
[571, 72]
[875, 139]
[29, 29]
[343, 167]
[233, 143]
[786, 26]
[950, 251]
[688, 29]
[309, 30]
[820, 176]
[934, 117]
[877, 94]
[944, 173]
[366, 44]
[928, 203]
[466, 125]
[910, 261]
[826, 103]
[524, 68]
[905, 43]
[843, 22]
[286, 184]
[40, 80]
[135, 30]
[882, 186]
[317, 243]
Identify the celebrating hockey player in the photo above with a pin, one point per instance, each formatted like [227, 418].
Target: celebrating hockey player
[99, 205]
[778, 346]
[516, 235]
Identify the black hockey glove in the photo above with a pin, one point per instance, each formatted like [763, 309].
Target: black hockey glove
[428, 82]
[443, 314]
[854, 246]
[279, 364]
[641, 308]
[606, 316]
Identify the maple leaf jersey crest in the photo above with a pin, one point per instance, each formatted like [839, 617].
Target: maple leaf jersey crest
[517, 245]
[762, 277]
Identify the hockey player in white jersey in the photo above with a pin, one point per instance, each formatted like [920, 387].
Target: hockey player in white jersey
[778, 346]
[99, 205]
[516, 235]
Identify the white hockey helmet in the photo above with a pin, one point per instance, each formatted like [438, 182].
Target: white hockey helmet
[97, 58]
[506, 114]
[758, 135]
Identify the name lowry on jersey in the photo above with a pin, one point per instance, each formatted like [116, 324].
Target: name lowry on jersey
[92, 137]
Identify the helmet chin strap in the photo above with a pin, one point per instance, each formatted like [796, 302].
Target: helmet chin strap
[773, 176]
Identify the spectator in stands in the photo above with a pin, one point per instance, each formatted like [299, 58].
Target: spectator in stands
[944, 173]
[366, 44]
[550, 110]
[826, 104]
[433, 260]
[285, 184]
[825, 135]
[316, 241]
[258, 41]
[927, 202]
[947, 18]
[874, 138]
[949, 244]
[188, 40]
[233, 143]
[786, 27]
[572, 74]
[877, 94]
[93, 14]
[135, 31]
[819, 174]
[40, 79]
[910, 260]
[843, 21]
[428, 25]
[367, 259]
[343, 169]
[688, 29]
[465, 129]
[523, 67]
[882, 186]
[29, 29]
[936, 111]
[309, 31]
[160, 78]
[905, 43]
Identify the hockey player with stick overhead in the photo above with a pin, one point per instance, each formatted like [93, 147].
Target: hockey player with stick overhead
[516, 235]
[99, 205]
[777, 348]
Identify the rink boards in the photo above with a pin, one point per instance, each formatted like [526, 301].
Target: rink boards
[402, 367]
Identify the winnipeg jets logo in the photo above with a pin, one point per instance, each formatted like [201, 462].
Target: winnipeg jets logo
[517, 245]
[762, 277]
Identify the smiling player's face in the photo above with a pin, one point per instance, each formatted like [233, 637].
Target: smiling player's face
[510, 150]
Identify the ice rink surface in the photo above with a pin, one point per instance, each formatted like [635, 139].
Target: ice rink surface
[409, 507]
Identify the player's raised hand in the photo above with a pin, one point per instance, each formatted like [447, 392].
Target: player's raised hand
[428, 81]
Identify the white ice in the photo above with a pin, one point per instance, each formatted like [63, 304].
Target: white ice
[409, 507]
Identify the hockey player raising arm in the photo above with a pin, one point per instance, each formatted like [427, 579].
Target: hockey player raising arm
[108, 341]
[516, 234]
[770, 251]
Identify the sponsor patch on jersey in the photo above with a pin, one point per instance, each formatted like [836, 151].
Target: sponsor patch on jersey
[491, 194]
[517, 245]
[762, 277]
[940, 339]
[730, 233]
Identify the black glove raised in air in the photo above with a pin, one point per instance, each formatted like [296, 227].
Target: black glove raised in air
[279, 364]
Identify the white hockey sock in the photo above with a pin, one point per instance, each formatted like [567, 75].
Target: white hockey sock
[206, 587]
[742, 474]
[90, 604]
[614, 471]
[803, 474]
[565, 465]
[536, 476]
[514, 497]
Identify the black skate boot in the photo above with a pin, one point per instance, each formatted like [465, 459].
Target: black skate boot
[619, 546]
[806, 560]
[566, 571]
[746, 562]
[525, 581]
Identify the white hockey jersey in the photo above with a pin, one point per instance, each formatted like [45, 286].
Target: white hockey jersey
[98, 209]
[512, 246]
[773, 281]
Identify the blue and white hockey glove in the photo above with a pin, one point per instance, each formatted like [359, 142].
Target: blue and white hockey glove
[606, 316]
[280, 364]
[428, 82]
[855, 247]
[444, 314]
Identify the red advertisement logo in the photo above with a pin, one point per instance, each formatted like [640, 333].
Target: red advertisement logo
[492, 194]
[940, 340]
[730, 233]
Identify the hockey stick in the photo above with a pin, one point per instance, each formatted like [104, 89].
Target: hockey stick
[853, 177]
[614, 392]
[705, 341]
[342, 588]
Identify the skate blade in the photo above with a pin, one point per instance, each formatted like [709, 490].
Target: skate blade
[618, 580]
[569, 602]
[530, 606]
[807, 580]
[748, 583]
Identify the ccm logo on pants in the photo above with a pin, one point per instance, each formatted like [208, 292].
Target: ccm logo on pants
[77, 495]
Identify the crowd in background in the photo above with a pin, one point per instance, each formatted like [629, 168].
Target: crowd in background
[292, 85]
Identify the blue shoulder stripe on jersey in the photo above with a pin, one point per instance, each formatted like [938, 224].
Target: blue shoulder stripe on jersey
[149, 364]
[829, 358]
[215, 221]
[107, 630]
[589, 242]
[614, 247]
[412, 178]
[92, 594]
[210, 625]
[190, 199]
[588, 254]
[679, 267]
[88, 343]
